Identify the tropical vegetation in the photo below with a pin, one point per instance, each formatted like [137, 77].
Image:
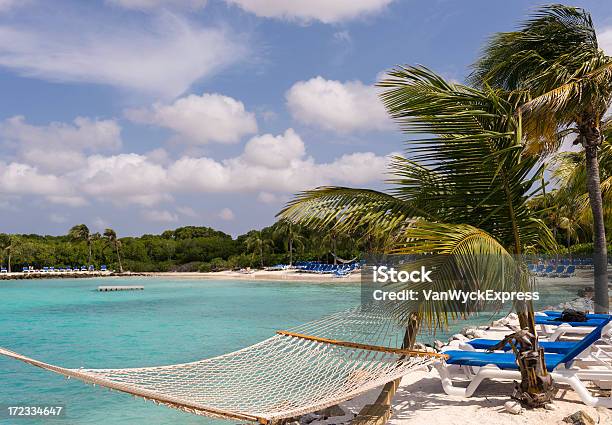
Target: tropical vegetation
[563, 79]
[467, 187]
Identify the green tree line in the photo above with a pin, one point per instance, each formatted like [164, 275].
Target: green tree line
[190, 248]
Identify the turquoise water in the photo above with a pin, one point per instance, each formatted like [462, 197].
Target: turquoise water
[66, 322]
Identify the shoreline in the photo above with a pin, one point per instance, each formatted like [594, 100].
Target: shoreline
[258, 275]
[582, 278]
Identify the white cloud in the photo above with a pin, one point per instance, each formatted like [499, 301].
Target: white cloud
[251, 172]
[125, 178]
[155, 4]
[605, 40]
[17, 178]
[226, 214]
[271, 165]
[336, 106]
[209, 118]
[187, 212]
[342, 36]
[57, 218]
[327, 11]
[6, 5]
[100, 224]
[162, 58]
[161, 216]
[267, 197]
[59, 146]
[274, 151]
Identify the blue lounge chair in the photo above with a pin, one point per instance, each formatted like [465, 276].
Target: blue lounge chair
[547, 320]
[571, 270]
[552, 313]
[558, 271]
[503, 366]
[103, 268]
[559, 347]
[3, 270]
[547, 271]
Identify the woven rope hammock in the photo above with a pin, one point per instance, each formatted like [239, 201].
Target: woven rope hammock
[308, 368]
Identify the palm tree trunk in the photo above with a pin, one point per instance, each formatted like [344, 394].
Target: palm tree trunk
[290, 252]
[9, 260]
[261, 255]
[334, 248]
[600, 255]
[89, 257]
[119, 258]
[536, 386]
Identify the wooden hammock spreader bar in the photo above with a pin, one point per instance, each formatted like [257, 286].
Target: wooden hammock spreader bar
[360, 346]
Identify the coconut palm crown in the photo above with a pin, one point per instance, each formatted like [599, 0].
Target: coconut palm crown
[555, 64]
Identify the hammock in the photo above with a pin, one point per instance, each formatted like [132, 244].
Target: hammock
[308, 368]
[343, 261]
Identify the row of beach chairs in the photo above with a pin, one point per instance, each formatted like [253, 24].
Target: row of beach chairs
[551, 270]
[29, 269]
[579, 363]
[322, 268]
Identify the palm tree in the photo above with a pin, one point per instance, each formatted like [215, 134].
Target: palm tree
[564, 80]
[6, 246]
[80, 232]
[570, 174]
[292, 234]
[257, 242]
[464, 194]
[111, 236]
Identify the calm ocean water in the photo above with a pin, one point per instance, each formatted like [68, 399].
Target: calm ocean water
[66, 322]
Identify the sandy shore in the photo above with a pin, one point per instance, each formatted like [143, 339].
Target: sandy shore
[269, 275]
[420, 399]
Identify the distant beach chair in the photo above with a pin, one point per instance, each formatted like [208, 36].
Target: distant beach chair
[103, 268]
[3, 270]
[558, 271]
[547, 271]
[83, 268]
[571, 271]
[91, 268]
[496, 365]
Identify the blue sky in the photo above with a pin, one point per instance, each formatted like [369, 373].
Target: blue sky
[146, 115]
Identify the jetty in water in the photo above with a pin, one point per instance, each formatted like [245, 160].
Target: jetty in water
[120, 288]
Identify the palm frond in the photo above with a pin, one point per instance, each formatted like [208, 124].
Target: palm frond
[462, 257]
[350, 210]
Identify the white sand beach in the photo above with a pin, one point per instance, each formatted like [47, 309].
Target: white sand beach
[420, 398]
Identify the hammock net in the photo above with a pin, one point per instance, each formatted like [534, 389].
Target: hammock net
[282, 377]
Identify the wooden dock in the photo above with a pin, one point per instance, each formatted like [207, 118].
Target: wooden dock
[120, 288]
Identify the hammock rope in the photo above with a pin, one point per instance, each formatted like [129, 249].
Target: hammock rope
[308, 368]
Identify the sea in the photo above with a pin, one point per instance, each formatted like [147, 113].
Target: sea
[68, 323]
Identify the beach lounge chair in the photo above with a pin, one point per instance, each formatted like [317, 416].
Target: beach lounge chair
[498, 365]
[3, 270]
[558, 271]
[560, 347]
[103, 268]
[547, 271]
[571, 271]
